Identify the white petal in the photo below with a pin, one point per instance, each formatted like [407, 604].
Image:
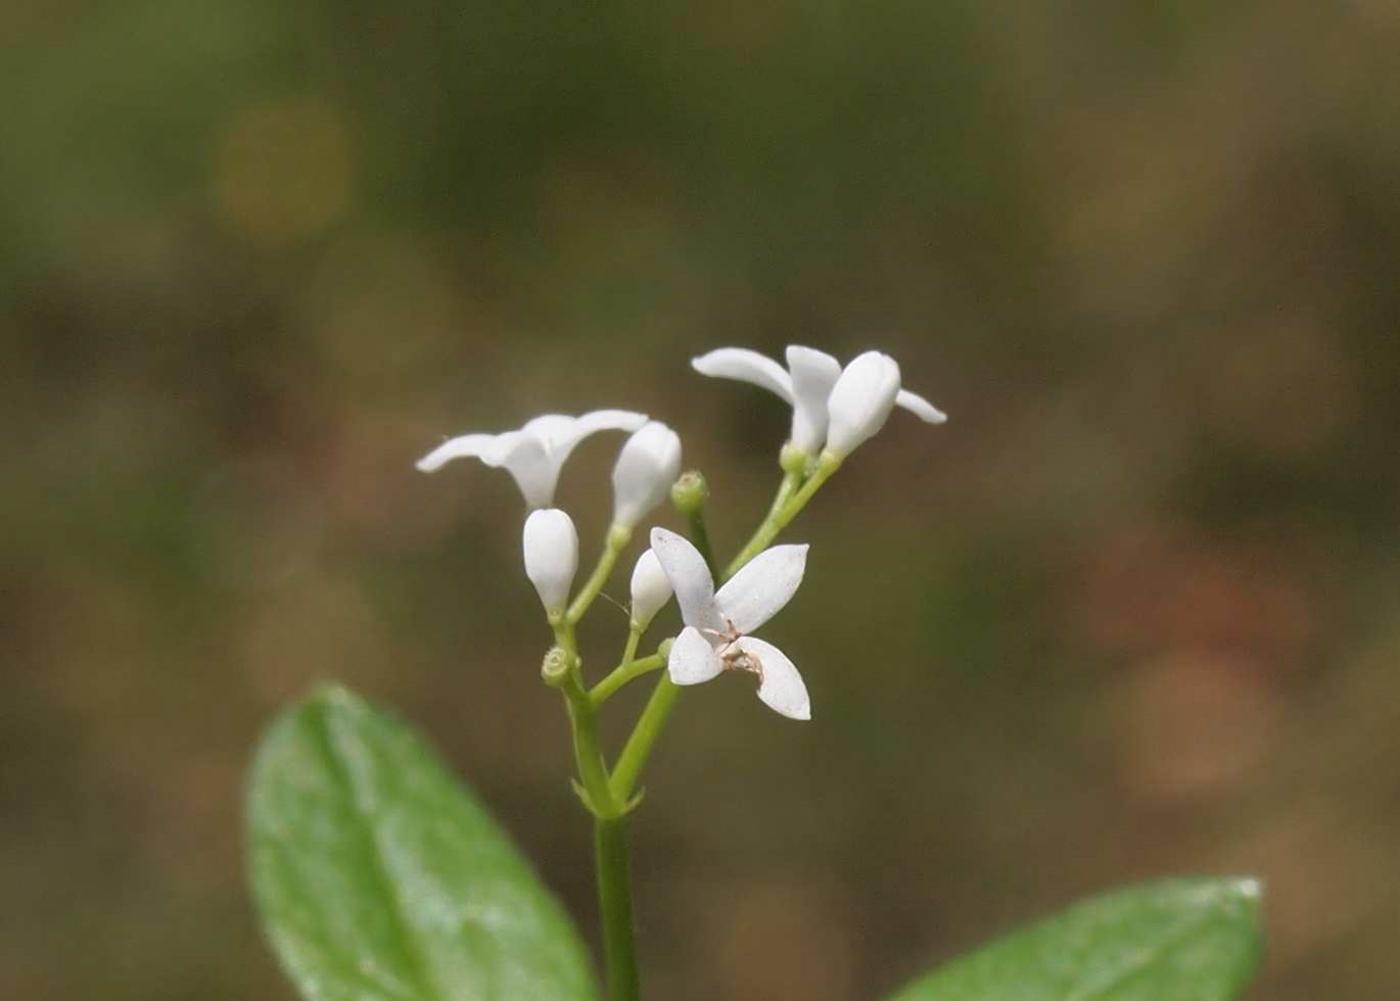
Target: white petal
[651, 589]
[746, 366]
[646, 467]
[782, 688]
[919, 407]
[526, 458]
[689, 576]
[762, 587]
[467, 445]
[693, 659]
[605, 420]
[550, 545]
[813, 374]
[560, 433]
[550, 429]
[861, 401]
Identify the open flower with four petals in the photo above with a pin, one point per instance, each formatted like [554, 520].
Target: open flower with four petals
[716, 637]
[535, 453]
[832, 406]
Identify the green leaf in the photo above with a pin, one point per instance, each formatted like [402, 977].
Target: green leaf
[1178, 940]
[379, 878]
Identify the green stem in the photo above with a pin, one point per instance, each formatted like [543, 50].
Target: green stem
[621, 675]
[644, 735]
[588, 753]
[791, 481]
[782, 513]
[615, 908]
[629, 651]
[700, 535]
[618, 537]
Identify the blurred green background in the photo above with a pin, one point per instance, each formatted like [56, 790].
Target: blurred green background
[1132, 611]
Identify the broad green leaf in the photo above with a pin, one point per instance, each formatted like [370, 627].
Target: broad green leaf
[379, 878]
[1178, 940]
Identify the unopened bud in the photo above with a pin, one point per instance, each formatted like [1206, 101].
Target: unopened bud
[690, 492]
[550, 545]
[651, 589]
[794, 459]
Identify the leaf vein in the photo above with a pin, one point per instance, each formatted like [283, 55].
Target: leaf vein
[378, 869]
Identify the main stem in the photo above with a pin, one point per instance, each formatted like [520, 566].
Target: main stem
[615, 907]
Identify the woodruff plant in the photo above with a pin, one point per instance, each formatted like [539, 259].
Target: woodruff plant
[379, 878]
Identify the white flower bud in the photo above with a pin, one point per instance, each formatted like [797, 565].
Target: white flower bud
[647, 466]
[651, 589]
[551, 556]
[861, 401]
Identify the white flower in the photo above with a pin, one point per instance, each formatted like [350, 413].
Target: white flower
[651, 589]
[646, 467]
[550, 544]
[535, 453]
[715, 638]
[807, 384]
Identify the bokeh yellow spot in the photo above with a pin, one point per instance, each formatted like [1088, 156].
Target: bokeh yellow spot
[282, 169]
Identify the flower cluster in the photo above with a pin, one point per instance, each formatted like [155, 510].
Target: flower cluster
[834, 410]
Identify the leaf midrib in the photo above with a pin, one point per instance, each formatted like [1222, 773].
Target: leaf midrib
[338, 768]
[1150, 956]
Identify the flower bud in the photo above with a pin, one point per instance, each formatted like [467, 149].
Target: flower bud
[689, 492]
[861, 401]
[646, 467]
[551, 556]
[651, 589]
[794, 459]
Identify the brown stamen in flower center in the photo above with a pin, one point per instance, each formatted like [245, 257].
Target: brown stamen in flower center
[735, 659]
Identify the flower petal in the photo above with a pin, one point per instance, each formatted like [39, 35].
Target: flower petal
[559, 433]
[919, 407]
[693, 659]
[746, 366]
[646, 467]
[561, 440]
[861, 401]
[467, 445]
[608, 420]
[813, 374]
[526, 458]
[690, 578]
[762, 587]
[550, 429]
[781, 688]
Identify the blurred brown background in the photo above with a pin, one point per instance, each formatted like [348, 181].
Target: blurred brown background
[1133, 611]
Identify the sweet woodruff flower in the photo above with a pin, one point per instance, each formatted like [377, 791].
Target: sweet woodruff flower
[646, 467]
[550, 544]
[821, 417]
[651, 589]
[535, 453]
[717, 625]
